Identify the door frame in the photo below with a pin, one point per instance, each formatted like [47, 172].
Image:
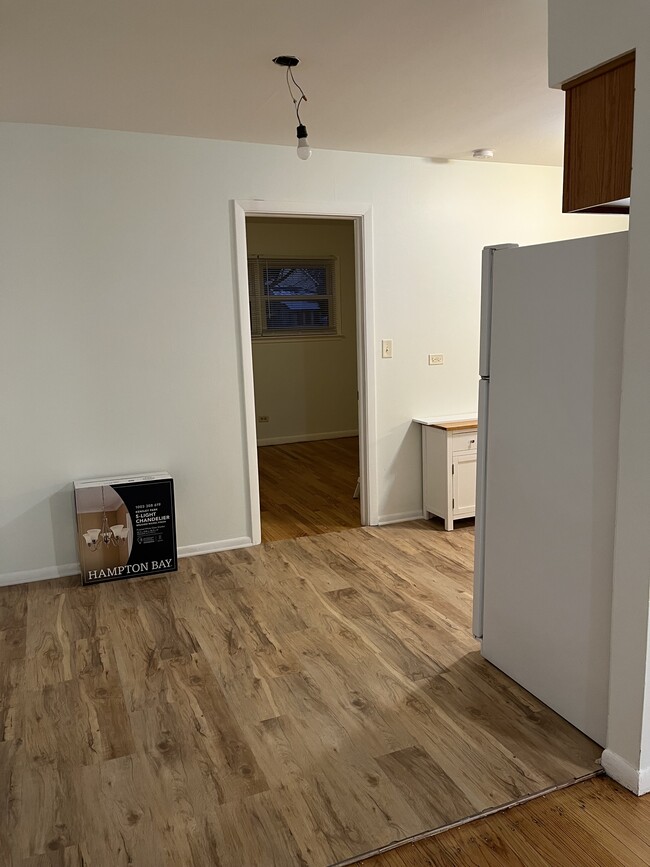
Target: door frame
[361, 216]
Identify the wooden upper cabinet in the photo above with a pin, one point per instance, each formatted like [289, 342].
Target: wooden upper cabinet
[598, 138]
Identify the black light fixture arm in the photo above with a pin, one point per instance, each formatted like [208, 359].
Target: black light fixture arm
[302, 98]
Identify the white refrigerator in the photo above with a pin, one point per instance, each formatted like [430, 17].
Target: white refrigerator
[549, 393]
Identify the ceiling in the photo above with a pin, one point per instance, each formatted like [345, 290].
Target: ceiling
[428, 78]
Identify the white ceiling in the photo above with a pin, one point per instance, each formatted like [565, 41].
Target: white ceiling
[430, 78]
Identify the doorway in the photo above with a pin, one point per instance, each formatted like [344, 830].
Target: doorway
[302, 296]
[352, 330]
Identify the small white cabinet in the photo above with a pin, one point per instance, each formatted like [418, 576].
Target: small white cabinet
[449, 467]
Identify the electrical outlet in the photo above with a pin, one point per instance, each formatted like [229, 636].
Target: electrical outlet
[436, 359]
[262, 419]
[386, 348]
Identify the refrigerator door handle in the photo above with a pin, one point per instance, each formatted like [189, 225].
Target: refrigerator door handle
[486, 306]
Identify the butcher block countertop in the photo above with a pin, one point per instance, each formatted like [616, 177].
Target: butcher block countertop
[457, 422]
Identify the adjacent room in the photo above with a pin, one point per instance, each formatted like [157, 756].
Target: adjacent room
[275, 587]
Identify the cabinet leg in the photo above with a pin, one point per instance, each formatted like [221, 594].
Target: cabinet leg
[449, 523]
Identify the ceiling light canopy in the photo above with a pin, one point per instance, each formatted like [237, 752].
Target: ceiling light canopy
[289, 61]
[483, 154]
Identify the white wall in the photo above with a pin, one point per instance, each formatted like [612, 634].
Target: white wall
[583, 34]
[119, 334]
[307, 387]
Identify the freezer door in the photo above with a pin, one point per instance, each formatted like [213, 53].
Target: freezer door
[486, 306]
[479, 542]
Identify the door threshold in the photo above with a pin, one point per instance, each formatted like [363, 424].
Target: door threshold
[490, 811]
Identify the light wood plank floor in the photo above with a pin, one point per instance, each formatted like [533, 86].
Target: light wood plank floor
[593, 824]
[307, 488]
[294, 704]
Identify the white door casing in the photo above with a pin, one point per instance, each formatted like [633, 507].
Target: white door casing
[361, 214]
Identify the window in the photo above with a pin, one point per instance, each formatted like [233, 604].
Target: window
[292, 297]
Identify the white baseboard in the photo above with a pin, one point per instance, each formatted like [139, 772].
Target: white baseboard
[45, 574]
[214, 547]
[51, 572]
[399, 518]
[307, 438]
[636, 780]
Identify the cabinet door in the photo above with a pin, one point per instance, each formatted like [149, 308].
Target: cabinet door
[436, 488]
[464, 483]
[599, 120]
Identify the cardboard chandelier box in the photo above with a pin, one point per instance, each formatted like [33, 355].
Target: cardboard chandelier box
[125, 526]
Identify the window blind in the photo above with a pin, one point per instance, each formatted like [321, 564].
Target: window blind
[292, 296]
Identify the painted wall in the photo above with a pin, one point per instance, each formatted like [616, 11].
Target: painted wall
[119, 332]
[613, 29]
[307, 387]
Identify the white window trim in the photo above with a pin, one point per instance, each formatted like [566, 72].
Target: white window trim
[309, 337]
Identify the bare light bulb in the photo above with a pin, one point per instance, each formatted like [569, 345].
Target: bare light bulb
[304, 151]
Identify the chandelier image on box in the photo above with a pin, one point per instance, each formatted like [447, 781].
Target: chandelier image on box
[105, 535]
[126, 526]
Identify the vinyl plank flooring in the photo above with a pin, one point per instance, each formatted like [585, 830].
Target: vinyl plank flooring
[13, 607]
[424, 785]
[212, 734]
[138, 659]
[12, 701]
[313, 565]
[50, 795]
[486, 774]
[48, 648]
[129, 815]
[228, 651]
[299, 703]
[340, 690]
[262, 632]
[255, 831]
[477, 711]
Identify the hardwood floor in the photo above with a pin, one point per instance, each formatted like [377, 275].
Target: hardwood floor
[593, 824]
[299, 703]
[307, 488]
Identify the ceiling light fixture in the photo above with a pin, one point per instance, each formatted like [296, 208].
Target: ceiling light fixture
[106, 535]
[288, 61]
[483, 154]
